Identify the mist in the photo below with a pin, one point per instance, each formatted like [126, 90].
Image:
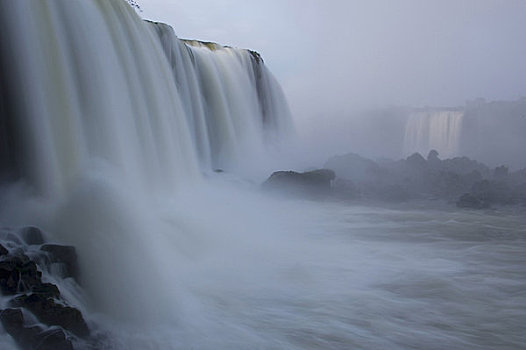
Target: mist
[335, 58]
[262, 175]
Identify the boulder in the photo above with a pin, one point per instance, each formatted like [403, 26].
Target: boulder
[315, 182]
[33, 337]
[32, 235]
[53, 339]
[65, 255]
[18, 274]
[52, 313]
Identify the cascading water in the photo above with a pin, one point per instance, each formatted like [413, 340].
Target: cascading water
[93, 83]
[438, 130]
[107, 125]
[107, 120]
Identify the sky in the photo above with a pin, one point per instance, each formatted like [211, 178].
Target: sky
[333, 57]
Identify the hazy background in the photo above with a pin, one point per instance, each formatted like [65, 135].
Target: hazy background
[335, 57]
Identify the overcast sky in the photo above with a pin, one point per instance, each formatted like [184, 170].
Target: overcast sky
[333, 56]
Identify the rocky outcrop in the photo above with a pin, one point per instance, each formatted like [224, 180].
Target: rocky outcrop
[309, 183]
[33, 337]
[24, 256]
[467, 182]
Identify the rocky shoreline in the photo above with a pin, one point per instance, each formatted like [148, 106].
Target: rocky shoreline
[34, 312]
[460, 181]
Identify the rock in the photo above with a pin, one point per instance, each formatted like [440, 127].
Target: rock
[33, 338]
[316, 182]
[65, 255]
[53, 339]
[18, 274]
[3, 250]
[10, 237]
[416, 161]
[468, 200]
[54, 314]
[432, 156]
[32, 235]
[47, 290]
[12, 319]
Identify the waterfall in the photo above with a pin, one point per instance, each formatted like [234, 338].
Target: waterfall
[109, 127]
[438, 130]
[90, 85]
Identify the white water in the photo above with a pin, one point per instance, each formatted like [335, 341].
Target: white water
[438, 130]
[123, 119]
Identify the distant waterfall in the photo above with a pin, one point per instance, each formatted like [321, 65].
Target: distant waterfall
[88, 84]
[438, 130]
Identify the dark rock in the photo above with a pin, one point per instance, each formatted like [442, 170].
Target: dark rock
[3, 250]
[53, 339]
[219, 171]
[18, 274]
[316, 182]
[51, 313]
[47, 290]
[13, 323]
[12, 319]
[65, 255]
[10, 237]
[33, 338]
[32, 235]
[468, 200]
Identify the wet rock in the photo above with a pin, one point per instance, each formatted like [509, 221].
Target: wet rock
[468, 200]
[52, 313]
[18, 274]
[47, 290]
[33, 337]
[10, 237]
[53, 339]
[65, 255]
[32, 235]
[314, 182]
[3, 250]
[12, 319]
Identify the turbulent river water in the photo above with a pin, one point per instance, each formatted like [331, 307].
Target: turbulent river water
[110, 129]
[239, 270]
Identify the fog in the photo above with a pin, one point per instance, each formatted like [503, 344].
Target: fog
[333, 57]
